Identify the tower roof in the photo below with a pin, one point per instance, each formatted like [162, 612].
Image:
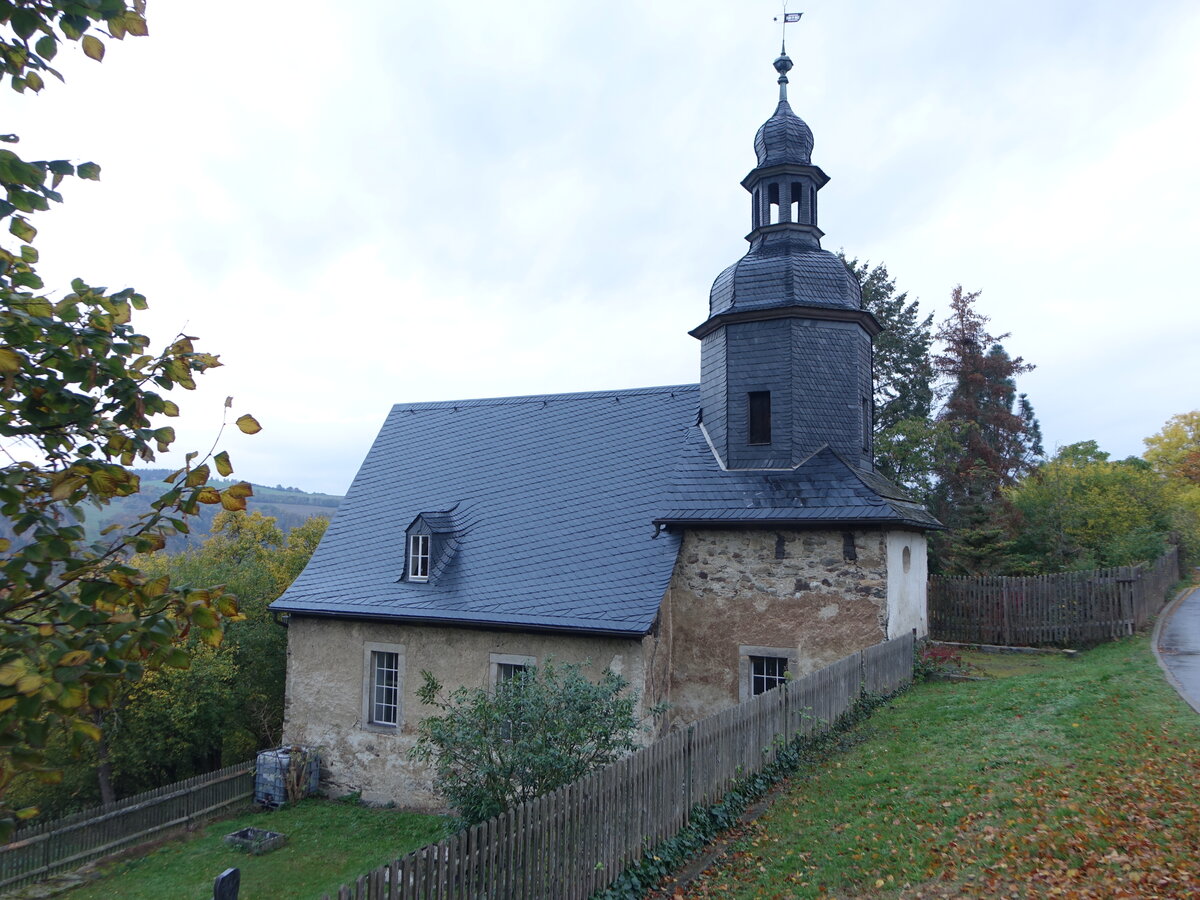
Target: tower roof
[785, 137]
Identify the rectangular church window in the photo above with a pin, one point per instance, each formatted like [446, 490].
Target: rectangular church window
[385, 688]
[759, 403]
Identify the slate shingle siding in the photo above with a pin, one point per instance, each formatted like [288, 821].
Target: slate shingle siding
[831, 365]
[714, 388]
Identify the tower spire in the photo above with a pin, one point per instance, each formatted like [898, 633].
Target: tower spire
[786, 349]
[784, 63]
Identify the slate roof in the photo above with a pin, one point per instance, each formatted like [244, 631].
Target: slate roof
[552, 500]
[777, 273]
[823, 489]
[784, 138]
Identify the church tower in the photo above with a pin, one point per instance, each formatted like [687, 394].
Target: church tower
[786, 349]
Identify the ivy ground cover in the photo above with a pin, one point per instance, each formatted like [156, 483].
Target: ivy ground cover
[1071, 778]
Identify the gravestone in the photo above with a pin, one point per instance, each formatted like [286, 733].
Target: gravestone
[227, 884]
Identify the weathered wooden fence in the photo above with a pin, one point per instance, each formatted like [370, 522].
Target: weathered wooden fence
[1071, 608]
[576, 841]
[57, 846]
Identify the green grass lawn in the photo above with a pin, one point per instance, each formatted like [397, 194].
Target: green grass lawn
[329, 843]
[1060, 777]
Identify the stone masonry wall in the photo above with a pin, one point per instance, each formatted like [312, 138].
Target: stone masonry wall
[788, 589]
[327, 677]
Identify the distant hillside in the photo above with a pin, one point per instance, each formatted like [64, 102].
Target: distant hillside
[290, 506]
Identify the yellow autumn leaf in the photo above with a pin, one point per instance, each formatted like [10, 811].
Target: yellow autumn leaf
[232, 503]
[93, 47]
[10, 672]
[75, 658]
[248, 424]
[72, 696]
[85, 727]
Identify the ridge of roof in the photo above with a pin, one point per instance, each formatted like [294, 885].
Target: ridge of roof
[545, 398]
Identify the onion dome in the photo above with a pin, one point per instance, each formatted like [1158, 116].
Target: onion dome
[785, 137]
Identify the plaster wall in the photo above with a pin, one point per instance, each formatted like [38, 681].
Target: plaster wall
[793, 590]
[327, 674]
[908, 574]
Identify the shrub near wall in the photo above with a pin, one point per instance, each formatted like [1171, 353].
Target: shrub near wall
[578, 839]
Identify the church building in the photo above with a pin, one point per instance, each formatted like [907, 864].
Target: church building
[703, 540]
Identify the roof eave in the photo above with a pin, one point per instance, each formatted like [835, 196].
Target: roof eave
[486, 625]
[702, 522]
[824, 313]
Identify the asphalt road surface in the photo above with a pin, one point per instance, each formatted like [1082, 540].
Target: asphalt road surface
[1178, 647]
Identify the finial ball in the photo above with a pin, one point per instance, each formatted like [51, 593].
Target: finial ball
[783, 64]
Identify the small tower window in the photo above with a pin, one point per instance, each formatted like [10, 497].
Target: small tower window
[757, 208]
[866, 426]
[797, 194]
[773, 202]
[759, 404]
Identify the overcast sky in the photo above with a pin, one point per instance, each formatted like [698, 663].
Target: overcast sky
[377, 202]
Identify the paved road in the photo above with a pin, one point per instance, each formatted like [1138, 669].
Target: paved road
[1178, 647]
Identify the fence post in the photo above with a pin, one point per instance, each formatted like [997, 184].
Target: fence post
[1006, 598]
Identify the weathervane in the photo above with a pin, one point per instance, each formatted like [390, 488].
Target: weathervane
[788, 18]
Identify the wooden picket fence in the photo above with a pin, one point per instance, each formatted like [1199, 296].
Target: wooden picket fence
[1068, 609]
[41, 850]
[575, 841]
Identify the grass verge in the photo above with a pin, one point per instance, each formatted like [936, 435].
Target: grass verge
[329, 843]
[1080, 778]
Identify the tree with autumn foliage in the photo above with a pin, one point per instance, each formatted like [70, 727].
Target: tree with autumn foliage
[80, 395]
[995, 439]
[1174, 450]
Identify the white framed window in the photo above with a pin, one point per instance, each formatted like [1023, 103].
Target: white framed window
[383, 686]
[762, 668]
[418, 557]
[507, 666]
[506, 671]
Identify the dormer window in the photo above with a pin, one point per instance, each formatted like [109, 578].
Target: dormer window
[418, 557]
[430, 542]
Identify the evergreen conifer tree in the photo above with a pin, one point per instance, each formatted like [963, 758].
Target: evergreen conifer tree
[995, 440]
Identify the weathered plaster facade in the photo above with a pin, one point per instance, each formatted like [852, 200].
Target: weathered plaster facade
[327, 677]
[908, 572]
[812, 596]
